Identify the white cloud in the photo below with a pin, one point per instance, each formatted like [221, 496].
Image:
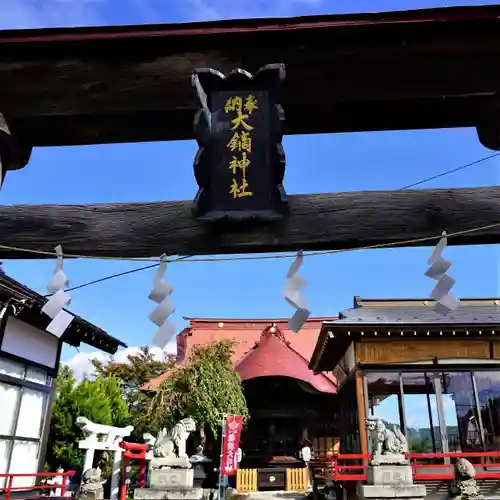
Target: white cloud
[81, 363]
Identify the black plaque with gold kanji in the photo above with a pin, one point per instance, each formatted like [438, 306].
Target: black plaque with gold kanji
[240, 163]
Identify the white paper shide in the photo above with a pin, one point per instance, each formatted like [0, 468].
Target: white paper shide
[54, 308]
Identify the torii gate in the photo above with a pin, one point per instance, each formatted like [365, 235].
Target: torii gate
[389, 71]
[103, 438]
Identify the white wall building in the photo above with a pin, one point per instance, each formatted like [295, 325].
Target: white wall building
[29, 359]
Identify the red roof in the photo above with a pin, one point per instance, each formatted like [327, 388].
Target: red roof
[273, 356]
[246, 333]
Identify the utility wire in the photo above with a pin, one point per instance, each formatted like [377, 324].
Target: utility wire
[451, 171]
[288, 256]
[148, 259]
[156, 262]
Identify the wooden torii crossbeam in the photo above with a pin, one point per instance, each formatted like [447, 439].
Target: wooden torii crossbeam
[400, 70]
[317, 222]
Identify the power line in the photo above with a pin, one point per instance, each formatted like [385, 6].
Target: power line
[116, 275]
[148, 259]
[451, 171]
[263, 257]
[288, 256]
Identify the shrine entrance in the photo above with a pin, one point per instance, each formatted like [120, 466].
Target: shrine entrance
[283, 412]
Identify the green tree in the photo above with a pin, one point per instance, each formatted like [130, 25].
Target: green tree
[140, 369]
[206, 388]
[100, 400]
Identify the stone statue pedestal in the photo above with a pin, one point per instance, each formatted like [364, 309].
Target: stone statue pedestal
[171, 476]
[170, 494]
[170, 483]
[389, 474]
[170, 462]
[391, 480]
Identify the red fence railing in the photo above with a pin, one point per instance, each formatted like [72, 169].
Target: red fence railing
[483, 462]
[425, 466]
[43, 488]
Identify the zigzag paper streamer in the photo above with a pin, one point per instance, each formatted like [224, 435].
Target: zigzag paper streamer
[292, 292]
[54, 308]
[159, 316]
[445, 302]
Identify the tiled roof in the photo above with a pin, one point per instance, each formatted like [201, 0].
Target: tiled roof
[471, 311]
[273, 356]
[245, 332]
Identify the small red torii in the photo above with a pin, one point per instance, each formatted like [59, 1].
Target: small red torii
[133, 451]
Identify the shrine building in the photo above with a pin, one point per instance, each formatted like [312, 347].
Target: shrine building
[436, 377]
[29, 360]
[286, 400]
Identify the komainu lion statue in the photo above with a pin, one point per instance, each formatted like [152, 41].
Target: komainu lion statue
[169, 440]
[385, 441]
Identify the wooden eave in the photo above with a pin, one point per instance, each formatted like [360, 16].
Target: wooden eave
[335, 337]
[28, 304]
[359, 72]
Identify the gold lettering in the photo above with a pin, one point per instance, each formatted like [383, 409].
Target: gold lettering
[241, 141]
[240, 121]
[250, 104]
[242, 163]
[238, 191]
[234, 103]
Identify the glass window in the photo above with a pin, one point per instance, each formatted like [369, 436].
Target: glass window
[460, 412]
[36, 375]
[488, 392]
[9, 398]
[11, 368]
[24, 460]
[4, 459]
[29, 421]
[21, 420]
[420, 411]
[437, 411]
[384, 397]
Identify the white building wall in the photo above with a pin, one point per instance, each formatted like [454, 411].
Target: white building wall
[25, 391]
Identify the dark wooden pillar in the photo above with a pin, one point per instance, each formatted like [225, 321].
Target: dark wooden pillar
[360, 398]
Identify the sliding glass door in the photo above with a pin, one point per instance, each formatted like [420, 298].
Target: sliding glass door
[438, 411]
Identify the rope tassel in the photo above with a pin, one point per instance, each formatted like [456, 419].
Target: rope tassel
[159, 316]
[54, 307]
[445, 302]
[292, 292]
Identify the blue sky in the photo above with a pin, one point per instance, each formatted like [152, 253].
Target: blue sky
[315, 164]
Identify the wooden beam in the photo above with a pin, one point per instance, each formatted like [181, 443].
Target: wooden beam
[318, 222]
[406, 70]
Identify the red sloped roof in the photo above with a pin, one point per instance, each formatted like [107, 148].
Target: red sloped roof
[246, 333]
[273, 356]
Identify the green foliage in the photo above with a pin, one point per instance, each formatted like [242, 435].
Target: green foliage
[100, 400]
[420, 445]
[206, 388]
[140, 369]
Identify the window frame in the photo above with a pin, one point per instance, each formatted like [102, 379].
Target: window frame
[23, 384]
[435, 369]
